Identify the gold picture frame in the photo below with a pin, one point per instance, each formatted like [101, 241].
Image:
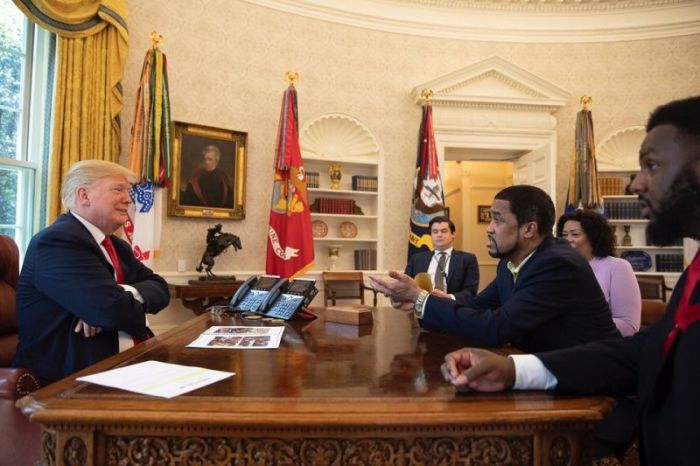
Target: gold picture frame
[209, 167]
[483, 214]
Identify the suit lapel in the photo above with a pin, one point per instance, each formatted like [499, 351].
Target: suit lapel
[424, 261]
[451, 270]
[89, 239]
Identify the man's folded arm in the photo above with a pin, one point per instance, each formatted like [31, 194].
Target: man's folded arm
[81, 284]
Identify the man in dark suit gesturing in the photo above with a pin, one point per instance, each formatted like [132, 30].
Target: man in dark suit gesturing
[455, 274]
[82, 295]
[661, 364]
[544, 297]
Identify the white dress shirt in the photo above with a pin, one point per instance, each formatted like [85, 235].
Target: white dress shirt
[433, 266]
[531, 374]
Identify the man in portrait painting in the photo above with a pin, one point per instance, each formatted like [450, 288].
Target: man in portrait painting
[209, 186]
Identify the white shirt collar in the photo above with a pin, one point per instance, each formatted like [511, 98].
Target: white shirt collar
[447, 251]
[94, 231]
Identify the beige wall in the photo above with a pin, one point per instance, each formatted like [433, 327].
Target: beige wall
[227, 59]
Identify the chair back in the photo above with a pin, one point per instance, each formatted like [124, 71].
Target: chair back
[9, 272]
[343, 285]
[652, 287]
[652, 311]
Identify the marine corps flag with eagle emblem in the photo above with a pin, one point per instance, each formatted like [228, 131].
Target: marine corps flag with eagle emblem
[290, 244]
[428, 200]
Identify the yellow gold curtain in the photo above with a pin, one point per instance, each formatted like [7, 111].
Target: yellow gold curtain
[92, 46]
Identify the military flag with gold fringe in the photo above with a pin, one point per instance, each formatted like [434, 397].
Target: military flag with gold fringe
[290, 245]
[428, 198]
[584, 188]
[150, 154]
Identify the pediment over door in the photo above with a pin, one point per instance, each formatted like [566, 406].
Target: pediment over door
[495, 88]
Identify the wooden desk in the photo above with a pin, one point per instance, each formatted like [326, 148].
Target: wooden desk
[331, 394]
[200, 297]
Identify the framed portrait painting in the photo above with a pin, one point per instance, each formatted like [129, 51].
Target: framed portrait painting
[483, 214]
[208, 172]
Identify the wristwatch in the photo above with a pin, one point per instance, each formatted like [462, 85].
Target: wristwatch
[418, 306]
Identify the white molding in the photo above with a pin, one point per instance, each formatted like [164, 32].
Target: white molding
[619, 150]
[557, 22]
[494, 83]
[338, 135]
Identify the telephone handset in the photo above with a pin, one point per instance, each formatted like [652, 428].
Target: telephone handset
[253, 292]
[296, 295]
[272, 295]
[242, 290]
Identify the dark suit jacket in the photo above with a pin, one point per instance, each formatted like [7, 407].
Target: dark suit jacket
[462, 273]
[66, 278]
[668, 391]
[555, 303]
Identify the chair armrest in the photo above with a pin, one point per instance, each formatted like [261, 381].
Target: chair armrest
[15, 383]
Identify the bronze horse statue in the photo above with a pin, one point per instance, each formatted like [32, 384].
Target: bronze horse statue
[217, 242]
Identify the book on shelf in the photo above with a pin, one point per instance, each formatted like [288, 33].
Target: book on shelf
[612, 186]
[622, 209]
[312, 180]
[365, 259]
[330, 205]
[364, 183]
[669, 262]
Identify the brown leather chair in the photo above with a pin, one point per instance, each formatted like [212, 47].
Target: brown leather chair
[652, 311]
[20, 439]
[345, 285]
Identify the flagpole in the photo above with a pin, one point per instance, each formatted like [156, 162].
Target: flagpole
[586, 101]
[156, 40]
[291, 77]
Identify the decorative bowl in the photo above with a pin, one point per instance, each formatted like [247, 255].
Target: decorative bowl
[319, 229]
[348, 230]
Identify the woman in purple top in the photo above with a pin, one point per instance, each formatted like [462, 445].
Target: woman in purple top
[590, 234]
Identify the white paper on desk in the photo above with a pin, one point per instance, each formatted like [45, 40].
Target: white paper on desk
[233, 337]
[157, 378]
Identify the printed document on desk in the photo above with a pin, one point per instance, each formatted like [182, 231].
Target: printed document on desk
[239, 337]
[157, 378]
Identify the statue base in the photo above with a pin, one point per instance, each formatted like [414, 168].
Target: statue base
[223, 280]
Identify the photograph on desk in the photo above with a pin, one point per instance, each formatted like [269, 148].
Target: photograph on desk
[233, 337]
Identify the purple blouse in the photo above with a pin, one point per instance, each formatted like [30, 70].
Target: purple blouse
[616, 279]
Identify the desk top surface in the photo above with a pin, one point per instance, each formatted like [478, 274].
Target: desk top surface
[323, 372]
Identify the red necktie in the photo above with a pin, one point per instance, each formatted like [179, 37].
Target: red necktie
[118, 272]
[686, 313]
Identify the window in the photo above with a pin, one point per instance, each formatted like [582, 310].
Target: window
[26, 56]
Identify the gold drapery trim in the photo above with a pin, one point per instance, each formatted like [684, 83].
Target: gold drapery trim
[93, 42]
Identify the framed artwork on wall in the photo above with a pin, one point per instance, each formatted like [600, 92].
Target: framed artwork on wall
[208, 172]
[483, 214]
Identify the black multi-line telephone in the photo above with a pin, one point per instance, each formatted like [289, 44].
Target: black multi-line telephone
[273, 296]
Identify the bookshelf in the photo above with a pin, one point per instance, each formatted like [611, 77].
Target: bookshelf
[617, 166]
[347, 217]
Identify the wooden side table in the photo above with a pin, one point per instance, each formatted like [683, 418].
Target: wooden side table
[199, 297]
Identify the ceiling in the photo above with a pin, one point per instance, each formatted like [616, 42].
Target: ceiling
[561, 21]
